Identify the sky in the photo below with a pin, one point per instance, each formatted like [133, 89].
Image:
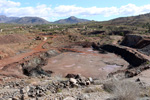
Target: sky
[51, 10]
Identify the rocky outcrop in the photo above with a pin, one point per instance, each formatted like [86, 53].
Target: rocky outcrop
[136, 41]
[131, 40]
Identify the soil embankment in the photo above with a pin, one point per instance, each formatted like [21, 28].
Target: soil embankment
[132, 56]
[136, 41]
[139, 42]
[13, 38]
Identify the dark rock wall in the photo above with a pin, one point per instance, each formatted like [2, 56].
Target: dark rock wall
[131, 40]
[130, 56]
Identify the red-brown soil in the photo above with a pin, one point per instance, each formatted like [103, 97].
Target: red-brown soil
[13, 70]
[86, 62]
[13, 38]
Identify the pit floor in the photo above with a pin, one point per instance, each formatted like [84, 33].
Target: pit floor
[89, 63]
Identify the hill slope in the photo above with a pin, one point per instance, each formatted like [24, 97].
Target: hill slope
[4, 19]
[133, 20]
[71, 20]
[29, 20]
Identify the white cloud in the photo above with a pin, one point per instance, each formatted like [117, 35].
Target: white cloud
[8, 4]
[11, 8]
[39, 11]
[73, 10]
[129, 9]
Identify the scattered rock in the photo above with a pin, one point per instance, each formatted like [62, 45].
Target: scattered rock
[24, 90]
[69, 98]
[137, 80]
[73, 81]
[88, 82]
[83, 97]
[90, 79]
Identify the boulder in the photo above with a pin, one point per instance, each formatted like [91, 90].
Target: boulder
[24, 90]
[73, 81]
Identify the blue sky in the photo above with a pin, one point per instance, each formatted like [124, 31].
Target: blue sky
[89, 9]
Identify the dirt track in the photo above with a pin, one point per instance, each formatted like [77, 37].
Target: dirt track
[17, 58]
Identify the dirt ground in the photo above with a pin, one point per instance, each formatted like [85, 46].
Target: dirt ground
[89, 63]
[14, 44]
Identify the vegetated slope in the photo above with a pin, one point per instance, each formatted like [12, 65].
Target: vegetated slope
[71, 20]
[133, 20]
[29, 20]
[4, 19]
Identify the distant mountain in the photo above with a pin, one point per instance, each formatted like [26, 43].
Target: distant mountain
[133, 20]
[29, 20]
[4, 19]
[71, 20]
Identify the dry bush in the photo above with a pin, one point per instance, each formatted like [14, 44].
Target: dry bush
[93, 89]
[122, 90]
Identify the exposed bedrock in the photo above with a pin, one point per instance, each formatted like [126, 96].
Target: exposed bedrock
[132, 56]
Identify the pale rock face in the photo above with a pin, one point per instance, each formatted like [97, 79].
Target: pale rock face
[72, 80]
[90, 79]
[25, 90]
[1, 30]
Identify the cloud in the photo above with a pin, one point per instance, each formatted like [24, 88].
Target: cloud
[129, 9]
[39, 11]
[11, 8]
[8, 4]
[73, 10]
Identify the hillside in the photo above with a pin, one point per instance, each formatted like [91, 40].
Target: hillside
[71, 20]
[133, 20]
[29, 20]
[4, 19]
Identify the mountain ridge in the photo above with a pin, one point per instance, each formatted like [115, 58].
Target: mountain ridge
[29, 20]
[4, 19]
[71, 20]
[129, 20]
[38, 20]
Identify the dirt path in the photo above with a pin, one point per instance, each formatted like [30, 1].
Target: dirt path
[17, 58]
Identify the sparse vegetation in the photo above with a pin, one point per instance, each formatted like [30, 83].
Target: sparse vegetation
[122, 90]
[24, 42]
[93, 89]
